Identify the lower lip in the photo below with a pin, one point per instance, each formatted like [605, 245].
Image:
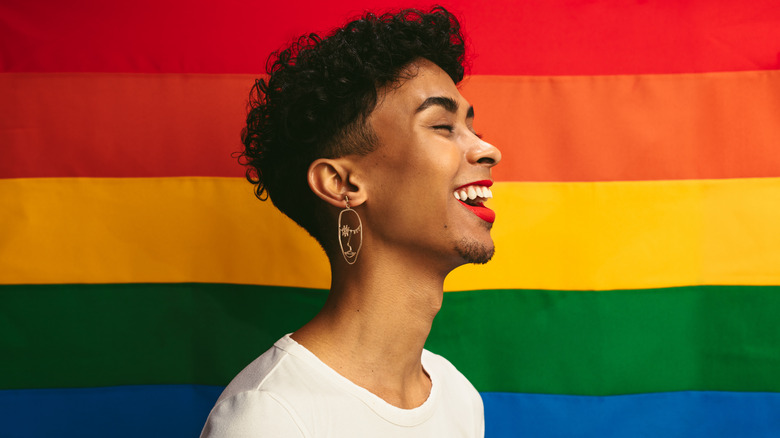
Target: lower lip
[482, 212]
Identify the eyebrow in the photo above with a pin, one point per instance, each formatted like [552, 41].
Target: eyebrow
[447, 103]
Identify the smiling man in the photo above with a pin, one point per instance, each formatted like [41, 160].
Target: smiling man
[364, 139]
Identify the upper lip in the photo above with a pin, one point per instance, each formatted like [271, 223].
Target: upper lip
[484, 182]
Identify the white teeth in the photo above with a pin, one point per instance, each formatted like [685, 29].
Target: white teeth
[473, 192]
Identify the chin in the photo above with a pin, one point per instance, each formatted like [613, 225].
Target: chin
[472, 251]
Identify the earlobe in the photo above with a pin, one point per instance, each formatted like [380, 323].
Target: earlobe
[332, 180]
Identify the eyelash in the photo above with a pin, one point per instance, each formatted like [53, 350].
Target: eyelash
[450, 129]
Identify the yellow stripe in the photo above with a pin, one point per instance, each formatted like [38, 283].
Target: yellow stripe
[631, 235]
[84, 230]
[606, 235]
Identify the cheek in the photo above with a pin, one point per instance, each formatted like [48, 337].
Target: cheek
[416, 171]
[440, 168]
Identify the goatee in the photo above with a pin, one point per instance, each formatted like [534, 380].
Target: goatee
[474, 252]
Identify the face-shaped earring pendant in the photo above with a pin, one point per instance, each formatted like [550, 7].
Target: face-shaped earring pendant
[350, 233]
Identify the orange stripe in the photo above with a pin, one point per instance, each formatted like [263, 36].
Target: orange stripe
[722, 125]
[618, 128]
[121, 125]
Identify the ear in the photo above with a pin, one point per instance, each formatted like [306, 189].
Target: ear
[333, 179]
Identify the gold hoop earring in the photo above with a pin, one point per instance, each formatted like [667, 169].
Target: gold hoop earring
[347, 231]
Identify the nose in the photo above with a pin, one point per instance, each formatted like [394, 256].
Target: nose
[484, 153]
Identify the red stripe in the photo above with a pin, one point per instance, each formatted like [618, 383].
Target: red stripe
[574, 37]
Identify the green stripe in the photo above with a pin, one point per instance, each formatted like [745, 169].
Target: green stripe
[713, 338]
[129, 334]
[707, 338]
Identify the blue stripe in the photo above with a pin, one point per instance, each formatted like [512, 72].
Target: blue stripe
[115, 412]
[180, 411]
[688, 414]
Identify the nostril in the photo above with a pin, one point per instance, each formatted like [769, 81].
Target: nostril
[486, 160]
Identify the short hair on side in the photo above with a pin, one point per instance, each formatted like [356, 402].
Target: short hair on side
[319, 93]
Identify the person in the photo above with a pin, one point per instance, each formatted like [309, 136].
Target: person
[364, 139]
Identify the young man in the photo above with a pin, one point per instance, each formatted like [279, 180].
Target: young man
[364, 139]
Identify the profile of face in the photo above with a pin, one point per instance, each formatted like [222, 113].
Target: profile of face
[430, 175]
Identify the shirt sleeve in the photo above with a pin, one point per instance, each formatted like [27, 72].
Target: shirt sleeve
[251, 414]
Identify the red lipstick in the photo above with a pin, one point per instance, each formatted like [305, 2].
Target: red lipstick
[484, 182]
[480, 210]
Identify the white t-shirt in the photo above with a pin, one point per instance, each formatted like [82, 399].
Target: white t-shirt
[289, 392]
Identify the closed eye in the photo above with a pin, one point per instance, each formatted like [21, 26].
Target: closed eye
[448, 128]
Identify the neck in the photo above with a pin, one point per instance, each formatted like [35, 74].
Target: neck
[374, 325]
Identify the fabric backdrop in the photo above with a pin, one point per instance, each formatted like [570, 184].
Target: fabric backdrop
[636, 285]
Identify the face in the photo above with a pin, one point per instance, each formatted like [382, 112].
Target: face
[430, 174]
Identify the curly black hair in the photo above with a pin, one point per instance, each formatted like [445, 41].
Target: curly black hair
[319, 93]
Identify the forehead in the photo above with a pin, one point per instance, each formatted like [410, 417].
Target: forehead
[424, 80]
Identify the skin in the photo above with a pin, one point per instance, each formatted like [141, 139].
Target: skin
[379, 312]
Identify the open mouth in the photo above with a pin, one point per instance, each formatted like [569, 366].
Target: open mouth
[473, 197]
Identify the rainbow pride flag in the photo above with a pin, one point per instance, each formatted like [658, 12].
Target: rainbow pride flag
[636, 287]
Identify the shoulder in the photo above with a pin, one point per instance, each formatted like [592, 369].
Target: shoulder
[253, 414]
[460, 399]
[281, 369]
[268, 396]
[443, 370]
[253, 404]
